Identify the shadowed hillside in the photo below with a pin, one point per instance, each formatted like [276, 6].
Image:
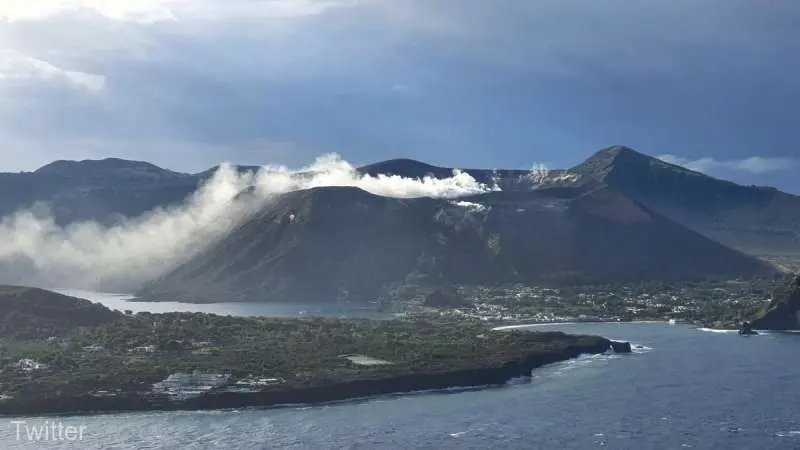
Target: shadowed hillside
[29, 312]
[758, 220]
[321, 244]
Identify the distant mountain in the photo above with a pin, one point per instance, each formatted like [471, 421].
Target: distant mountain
[110, 190]
[783, 312]
[32, 312]
[121, 169]
[324, 244]
[753, 219]
[620, 215]
[105, 190]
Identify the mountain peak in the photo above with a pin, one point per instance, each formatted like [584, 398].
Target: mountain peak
[620, 159]
[619, 154]
[405, 167]
[621, 151]
[101, 167]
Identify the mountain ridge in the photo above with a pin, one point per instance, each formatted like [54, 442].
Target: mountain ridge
[567, 224]
[757, 220]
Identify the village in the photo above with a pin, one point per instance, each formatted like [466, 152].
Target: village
[701, 303]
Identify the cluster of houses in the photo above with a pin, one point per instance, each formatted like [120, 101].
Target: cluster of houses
[541, 304]
[28, 365]
[181, 386]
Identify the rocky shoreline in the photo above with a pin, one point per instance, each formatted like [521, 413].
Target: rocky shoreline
[314, 393]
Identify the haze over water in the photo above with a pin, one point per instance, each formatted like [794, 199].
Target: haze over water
[123, 302]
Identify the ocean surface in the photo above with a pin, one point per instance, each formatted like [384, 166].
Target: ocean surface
[683, 388]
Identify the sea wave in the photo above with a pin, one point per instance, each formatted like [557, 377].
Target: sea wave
[639, 348]
[788, 434]
[580, 362]
[716, 330]
[720, 331]
[553, 324]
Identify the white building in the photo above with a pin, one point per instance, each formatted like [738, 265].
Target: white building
[29, 365]
[144, 349]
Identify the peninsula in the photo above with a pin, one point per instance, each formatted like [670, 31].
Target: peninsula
[111, 361]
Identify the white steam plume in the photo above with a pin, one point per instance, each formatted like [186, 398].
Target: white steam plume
[88, 255]
[541, 175]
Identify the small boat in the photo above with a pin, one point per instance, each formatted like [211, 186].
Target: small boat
[672, 322]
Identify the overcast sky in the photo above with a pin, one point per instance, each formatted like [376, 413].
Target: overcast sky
[711, 84]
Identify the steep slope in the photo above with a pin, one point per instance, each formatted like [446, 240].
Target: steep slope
[318, 243]
[757, 220]
[783, 312]
[326, 243]
[27, 311]
[598, 234]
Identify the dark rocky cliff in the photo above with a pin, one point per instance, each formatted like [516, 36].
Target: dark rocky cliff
[783, 312]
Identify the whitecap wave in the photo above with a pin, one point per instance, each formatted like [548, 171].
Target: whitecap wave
[519, 380]
[573, 364]
[716, 330]
[592, 323]
[721, 331]
[541, 324]
[788, 434]
[777, 332]
[639, 348]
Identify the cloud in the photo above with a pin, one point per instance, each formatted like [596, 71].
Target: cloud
[756, 164]
[15, 67]
[331, 76]
[141, 10]
[89, 255]
[153, 11]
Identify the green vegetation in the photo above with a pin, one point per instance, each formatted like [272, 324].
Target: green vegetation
[709, 303]
[128, 355]
[55, 347]
[783, 312]
[30, 312]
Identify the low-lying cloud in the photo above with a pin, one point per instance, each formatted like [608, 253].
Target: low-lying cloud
[88, 255]
[757, 165]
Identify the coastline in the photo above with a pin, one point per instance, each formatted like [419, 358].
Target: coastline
[545, 324]
[312, 394]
